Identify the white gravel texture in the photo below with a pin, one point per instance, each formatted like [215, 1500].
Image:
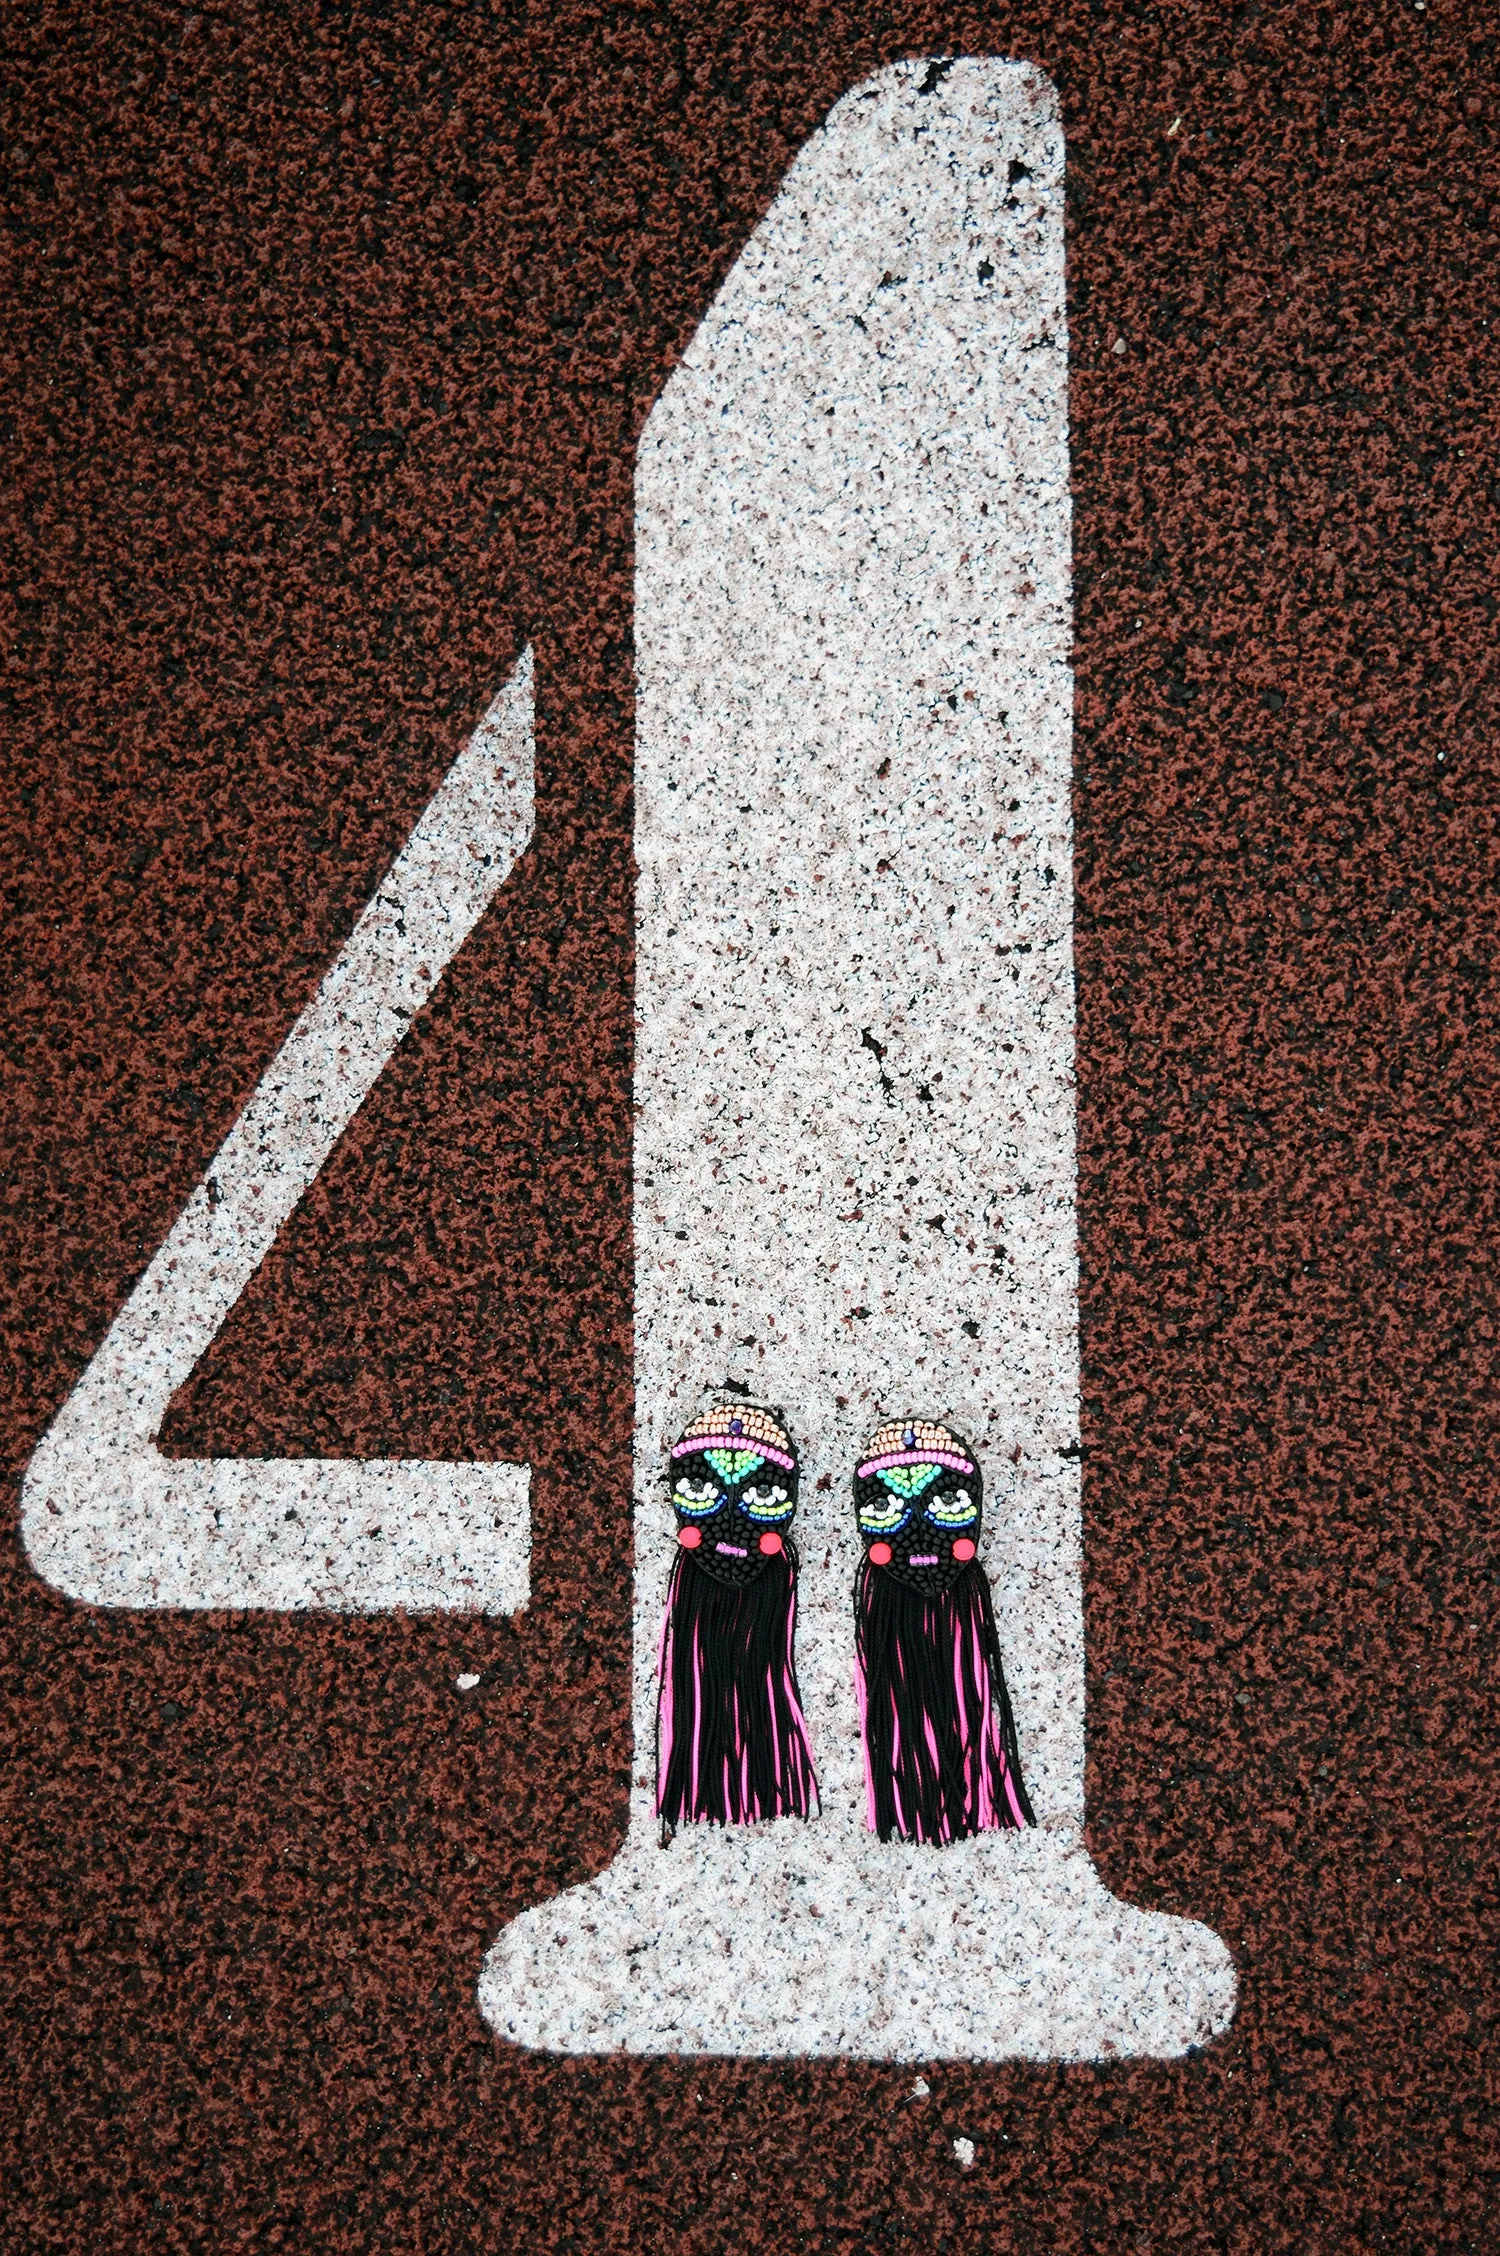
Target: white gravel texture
[855, 1171]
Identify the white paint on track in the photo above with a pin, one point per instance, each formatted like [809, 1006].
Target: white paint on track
[854, 1079]
[106, 1516]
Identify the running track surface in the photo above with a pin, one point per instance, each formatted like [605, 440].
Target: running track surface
[325, 342]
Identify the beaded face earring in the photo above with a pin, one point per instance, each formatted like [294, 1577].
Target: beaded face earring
[731, 1739]
[941, 1757]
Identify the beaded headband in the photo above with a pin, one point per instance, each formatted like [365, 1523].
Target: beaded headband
[921, 1443]
[746, 1429]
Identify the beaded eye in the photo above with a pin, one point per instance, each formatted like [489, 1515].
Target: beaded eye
[767, 1503]
[883, 1515]
[955, 1509]
[696, 1496]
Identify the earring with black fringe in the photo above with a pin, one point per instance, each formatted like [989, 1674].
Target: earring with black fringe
[731, 1739]
[941, 1756]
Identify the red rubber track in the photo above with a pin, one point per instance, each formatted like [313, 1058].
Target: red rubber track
[324, 338]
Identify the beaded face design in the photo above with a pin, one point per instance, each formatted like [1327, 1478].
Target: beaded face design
[732, 1478]
[920, 1502]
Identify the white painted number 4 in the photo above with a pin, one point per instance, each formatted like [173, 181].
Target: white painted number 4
[854, 1075]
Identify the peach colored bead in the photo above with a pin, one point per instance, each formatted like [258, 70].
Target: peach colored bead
[963, 1549]
[690, 1537]
[880, 1554]
[770, 1543]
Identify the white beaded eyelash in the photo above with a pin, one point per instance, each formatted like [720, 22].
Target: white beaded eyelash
[766, 1503]
[951, 1511]
[883, 1517]
[696, 1496]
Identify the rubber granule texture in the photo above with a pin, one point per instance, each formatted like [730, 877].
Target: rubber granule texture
[326, 333]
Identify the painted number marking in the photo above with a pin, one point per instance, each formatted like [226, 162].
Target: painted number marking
[105, 1515]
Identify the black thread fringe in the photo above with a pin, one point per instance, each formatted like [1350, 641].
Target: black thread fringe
[731, 1742]
[916, 1656]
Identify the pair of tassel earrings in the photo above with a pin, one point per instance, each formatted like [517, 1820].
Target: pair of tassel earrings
[941, 1756]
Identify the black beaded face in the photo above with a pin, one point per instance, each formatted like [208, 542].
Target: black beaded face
[733, 1483]
[920, 1504]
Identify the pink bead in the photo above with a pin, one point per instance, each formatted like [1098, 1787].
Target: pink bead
[770, 1543]
[963, 1549]
[690, 1537]
[880, 1554]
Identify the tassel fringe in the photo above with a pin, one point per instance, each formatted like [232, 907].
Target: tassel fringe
[731, 1739]
[941, 1757]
